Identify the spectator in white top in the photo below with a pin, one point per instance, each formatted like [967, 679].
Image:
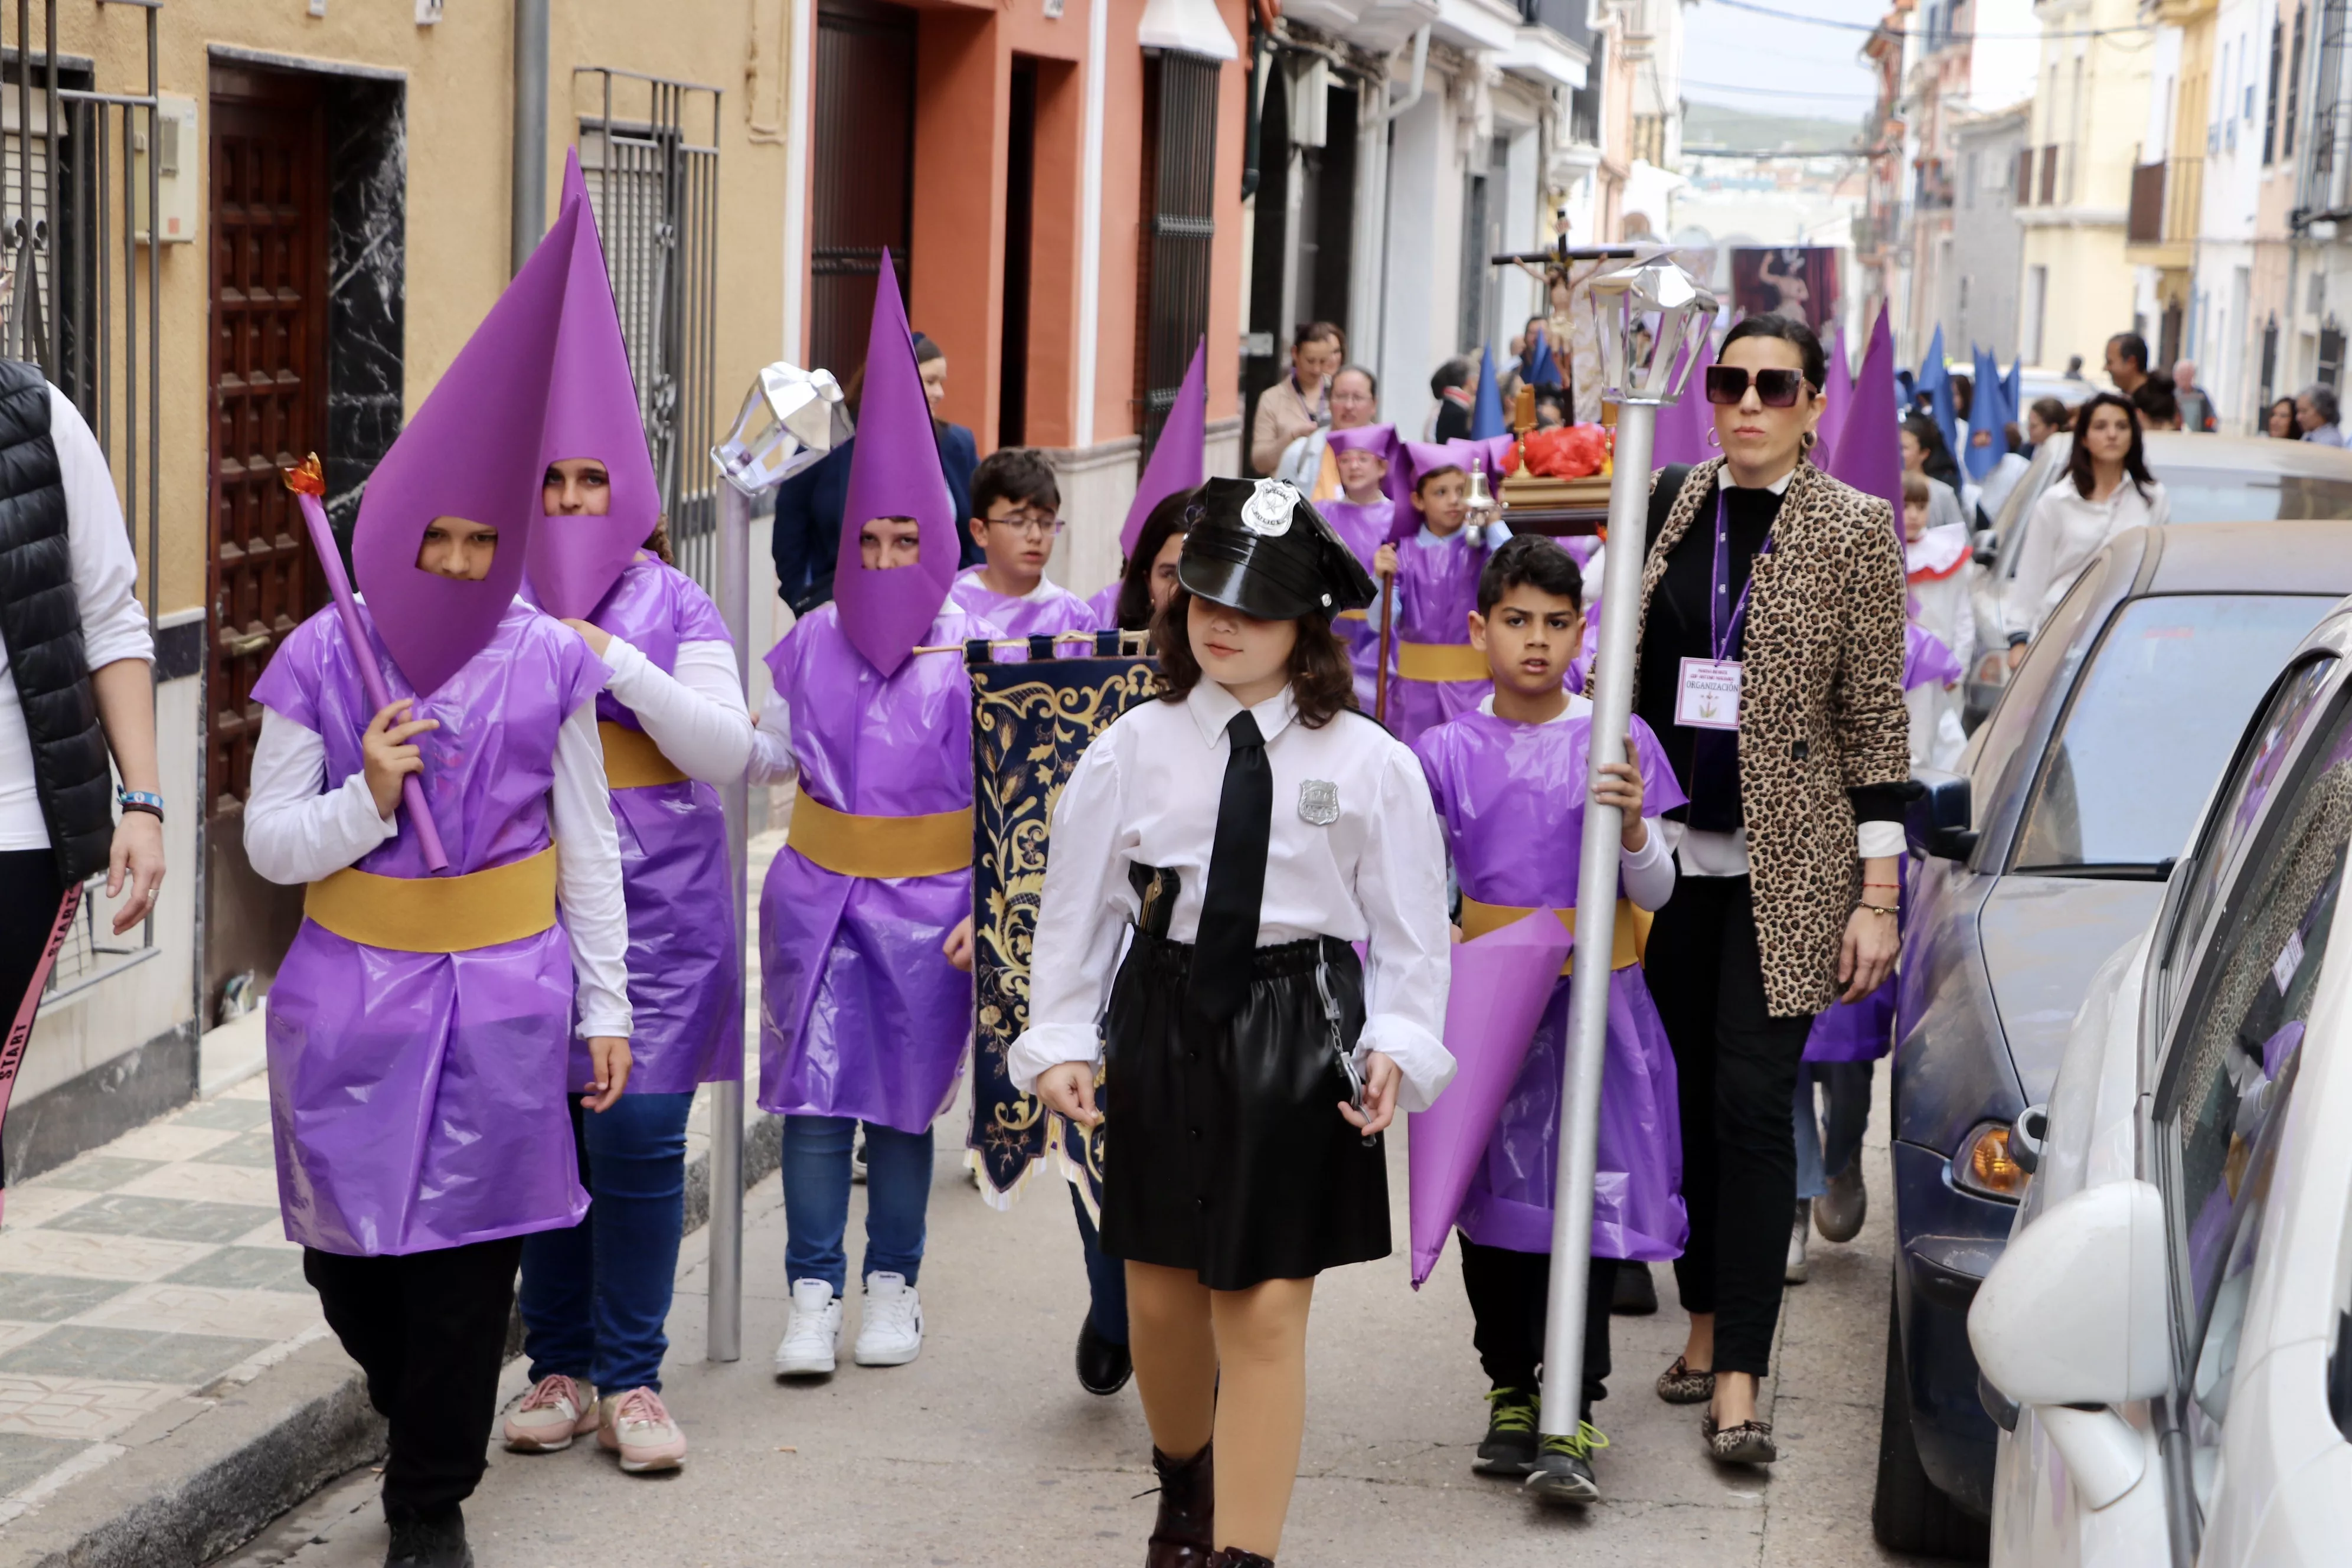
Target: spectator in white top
[2316, 412]
[75, 688]
[2107, 489]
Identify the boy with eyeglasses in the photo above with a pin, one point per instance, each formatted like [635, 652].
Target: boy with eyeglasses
[1017, 515]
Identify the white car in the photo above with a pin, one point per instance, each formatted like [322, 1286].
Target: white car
[2167, 1342]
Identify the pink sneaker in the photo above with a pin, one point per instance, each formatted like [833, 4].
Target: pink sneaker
[638, 1427]
[554, 1412]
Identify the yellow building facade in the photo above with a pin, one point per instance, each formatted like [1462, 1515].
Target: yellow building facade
[2090, 112]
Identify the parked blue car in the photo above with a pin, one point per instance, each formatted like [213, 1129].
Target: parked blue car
[2045, 852]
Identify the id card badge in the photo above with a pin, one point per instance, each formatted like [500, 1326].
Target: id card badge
[1709, 697]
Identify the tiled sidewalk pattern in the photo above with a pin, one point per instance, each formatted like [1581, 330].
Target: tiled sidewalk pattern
[142, 1278]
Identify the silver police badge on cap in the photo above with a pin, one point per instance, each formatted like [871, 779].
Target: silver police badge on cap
[1318, 802]
[1267, 511]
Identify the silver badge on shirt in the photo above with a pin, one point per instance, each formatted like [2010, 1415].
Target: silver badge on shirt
[1318, 802]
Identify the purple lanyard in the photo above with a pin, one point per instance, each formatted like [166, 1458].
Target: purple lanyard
[1727, 638]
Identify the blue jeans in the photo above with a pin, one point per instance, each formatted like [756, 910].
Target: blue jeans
[1849, 1113]
[817, 1199]
[595, 1297]
[1105, 1279]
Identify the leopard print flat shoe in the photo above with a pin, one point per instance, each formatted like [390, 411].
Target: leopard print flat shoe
[1678, 1385]
[1750, 1443]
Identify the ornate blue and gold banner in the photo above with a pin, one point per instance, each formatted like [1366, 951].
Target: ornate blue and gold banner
[1030, 722]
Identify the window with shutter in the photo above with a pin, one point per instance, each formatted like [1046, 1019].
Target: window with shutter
[1179, 159]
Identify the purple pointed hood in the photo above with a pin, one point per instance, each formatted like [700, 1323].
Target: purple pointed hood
[1840, 393]
[472, 451]
[1381, 440]
[591, 412]
[1178, 462]
[1869, 452]
[893, 471]
[1683, 425]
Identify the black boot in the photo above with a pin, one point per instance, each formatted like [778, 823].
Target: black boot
[1104, 1367]
[1234, 1557]
[426, 1538]
[1179, 1536]
[1636, 1295]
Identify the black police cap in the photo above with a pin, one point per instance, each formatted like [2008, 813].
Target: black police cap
[1261, 548]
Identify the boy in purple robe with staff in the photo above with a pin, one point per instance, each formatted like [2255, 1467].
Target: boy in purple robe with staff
[1364, 518]
[672, 723]
[1509, 784]
[866, 919]
[1435, 566]
[419, 1032]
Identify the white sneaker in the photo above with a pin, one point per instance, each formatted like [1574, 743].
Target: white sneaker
[891, 1330]
[812, 1334]
[1794, 1271]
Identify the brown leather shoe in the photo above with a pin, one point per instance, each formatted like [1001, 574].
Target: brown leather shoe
[1181, 1535]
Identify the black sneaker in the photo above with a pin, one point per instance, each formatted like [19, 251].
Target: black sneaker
[1636, 1294]
[1511, 1446]
[434, 1538]
[1562, 1472]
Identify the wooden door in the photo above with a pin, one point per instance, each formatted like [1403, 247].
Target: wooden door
[268, 396]
[865, 171]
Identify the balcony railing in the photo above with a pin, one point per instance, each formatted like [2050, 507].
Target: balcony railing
[2144, 226]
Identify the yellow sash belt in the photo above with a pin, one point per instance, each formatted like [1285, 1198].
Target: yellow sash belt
[880, 846]
[437, 914]
[1632, 930]
[632, 761]
[1352, 615]
[1441, 661]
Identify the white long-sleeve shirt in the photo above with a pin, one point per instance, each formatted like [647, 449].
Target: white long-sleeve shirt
[296, 830]
[2065, 529]
[1147, 793]
[695, 713]
[105, 583]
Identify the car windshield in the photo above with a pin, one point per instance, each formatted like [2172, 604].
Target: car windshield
[2243, 495]
[2151, 722]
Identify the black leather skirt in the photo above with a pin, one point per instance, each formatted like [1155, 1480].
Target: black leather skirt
[1224, 1152]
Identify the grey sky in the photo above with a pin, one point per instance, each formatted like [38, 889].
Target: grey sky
[1786, 63]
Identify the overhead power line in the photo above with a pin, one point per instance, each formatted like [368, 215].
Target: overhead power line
[1777, 91]
[1955, 35]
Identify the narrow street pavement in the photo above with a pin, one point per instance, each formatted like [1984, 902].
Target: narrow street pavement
[986, 1452]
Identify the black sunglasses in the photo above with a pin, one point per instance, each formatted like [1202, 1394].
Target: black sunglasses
[1728, 383]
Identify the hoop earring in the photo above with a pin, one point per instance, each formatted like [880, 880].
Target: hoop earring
[1714, 441]
[1805, 443]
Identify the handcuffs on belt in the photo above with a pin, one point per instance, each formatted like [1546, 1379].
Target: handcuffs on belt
[1339, 1047]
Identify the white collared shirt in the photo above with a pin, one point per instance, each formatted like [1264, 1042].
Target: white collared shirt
[1147, 792]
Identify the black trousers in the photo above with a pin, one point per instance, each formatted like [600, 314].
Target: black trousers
[429, 1329]
[1508, 1293]
[1737, 1067]
[29, 911]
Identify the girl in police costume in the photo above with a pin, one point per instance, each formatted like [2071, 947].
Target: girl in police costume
[1249, 826]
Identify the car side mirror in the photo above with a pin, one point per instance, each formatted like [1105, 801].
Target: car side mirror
[2075, 1318]
[1939, 822]
[1986, 547]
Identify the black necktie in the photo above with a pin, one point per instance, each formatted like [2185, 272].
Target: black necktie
[1227, 940]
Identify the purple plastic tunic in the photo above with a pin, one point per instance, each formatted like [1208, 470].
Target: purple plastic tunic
[686, 953]
[1363, 529]
[861, 1014]
[417, 1098]
[1059, 611]
[1512, 798]
[1105, 605]
[1437, 587]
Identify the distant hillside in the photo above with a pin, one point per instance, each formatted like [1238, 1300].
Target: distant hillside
[1745, 131]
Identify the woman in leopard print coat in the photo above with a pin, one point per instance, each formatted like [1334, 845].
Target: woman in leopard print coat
[1788, 850]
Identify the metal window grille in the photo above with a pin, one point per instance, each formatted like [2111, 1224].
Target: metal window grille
[655, 190]
[2270, 366]
[2271, 97]
[80, 297]
[1180, 175]
[2331, 353]
[2293, 87]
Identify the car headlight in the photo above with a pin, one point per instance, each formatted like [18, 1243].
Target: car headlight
[1987, 1167]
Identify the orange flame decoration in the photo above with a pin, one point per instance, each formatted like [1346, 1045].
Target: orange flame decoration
[306, 478]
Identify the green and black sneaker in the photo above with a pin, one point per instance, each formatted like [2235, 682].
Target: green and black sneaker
[1511, 1446]
[1562, 1471]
